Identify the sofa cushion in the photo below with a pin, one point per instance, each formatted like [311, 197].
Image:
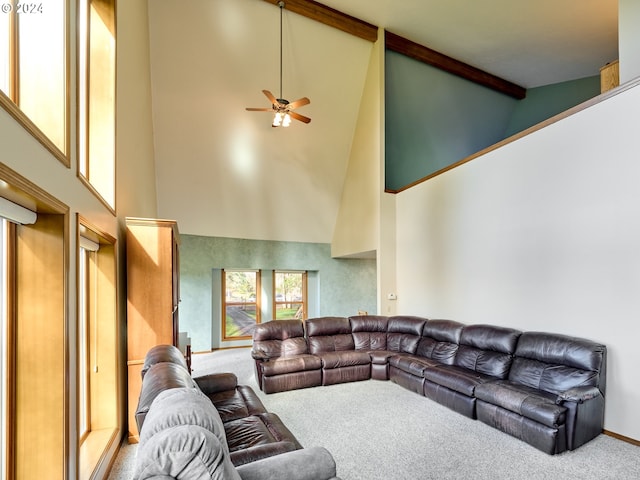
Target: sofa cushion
[381, 357]
[369, 332]
[278, 338]
[490, 337]
[404, 333]
[550, 377]
[412, 363]
[344, 359]
[330, 343]
[528, 402]
[556, 363]
[183, 406]
[237, 403]
[258, 436]
[329, 334]
[443, 330]
[298, 363]
[487, 349]
[459, 379]
[439, 340]
[183, 452]
[315, 463]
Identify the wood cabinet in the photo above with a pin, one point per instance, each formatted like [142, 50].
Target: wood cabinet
[609, 76]
[153, 296]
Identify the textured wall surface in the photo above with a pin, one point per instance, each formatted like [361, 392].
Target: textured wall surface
[340, 286]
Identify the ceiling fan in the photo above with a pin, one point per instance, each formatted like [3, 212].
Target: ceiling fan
[282, 109]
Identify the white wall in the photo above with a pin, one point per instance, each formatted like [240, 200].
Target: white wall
[358, 216]
[628, 41]
[541, 234]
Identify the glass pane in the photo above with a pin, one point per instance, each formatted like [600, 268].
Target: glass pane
[240, 320]
[3, 346]
[42, 56]
[288, 286]
[241, 305]
[83, 288]
[289, 311]
[82, 88]
[4, 53]
[102, 80]
[241, 287]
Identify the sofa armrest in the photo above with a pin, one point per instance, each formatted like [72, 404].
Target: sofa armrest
[578, 395]
[259, 354]
[314, 463]
[216, 382]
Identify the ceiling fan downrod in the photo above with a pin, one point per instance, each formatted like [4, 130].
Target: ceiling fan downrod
[281, 5]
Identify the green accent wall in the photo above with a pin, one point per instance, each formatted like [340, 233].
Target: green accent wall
[434, 119]
[336, 286]
[542, 103]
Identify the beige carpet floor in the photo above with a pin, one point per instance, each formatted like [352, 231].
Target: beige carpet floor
[379, 430]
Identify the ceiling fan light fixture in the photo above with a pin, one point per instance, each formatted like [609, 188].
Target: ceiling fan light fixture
[283, 109]
[277, 119]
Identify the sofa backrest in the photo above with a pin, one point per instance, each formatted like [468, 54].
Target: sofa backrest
[369, 331]
[404, 332]
[160, 377]
[555, 363]
[329, 334]
[487, 349]
[439, 340]
[279, 338]
[163, 353]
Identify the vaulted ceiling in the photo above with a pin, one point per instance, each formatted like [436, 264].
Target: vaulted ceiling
[223, 171]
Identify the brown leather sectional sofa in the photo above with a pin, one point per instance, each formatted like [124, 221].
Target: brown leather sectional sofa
[543, 388]
[211, 427]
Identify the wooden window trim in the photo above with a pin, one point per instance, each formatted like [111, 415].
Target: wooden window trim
[305, 305]
[223, 323]
[94, 444]
[86, 178]
[14, 110]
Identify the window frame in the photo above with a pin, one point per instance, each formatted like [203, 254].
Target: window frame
[256, 304]
[83, 97]
[303, 302]
[9, 100]
[101, 335]
[8, 348]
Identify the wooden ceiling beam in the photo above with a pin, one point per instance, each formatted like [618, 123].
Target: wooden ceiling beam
[354, 26]
[426, 55]
[331, 17]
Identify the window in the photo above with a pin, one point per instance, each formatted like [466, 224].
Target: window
[33, 47]
[85, 283]
[241, 305]
[97, 346]
[96, 96]
[4, 348]
[290, 295]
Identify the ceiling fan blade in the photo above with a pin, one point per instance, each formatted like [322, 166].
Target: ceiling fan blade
[299, 103]
[270, 96]
[297, 116]
[252, 109]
